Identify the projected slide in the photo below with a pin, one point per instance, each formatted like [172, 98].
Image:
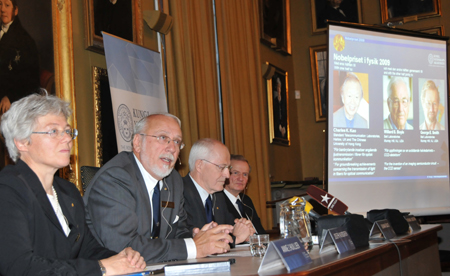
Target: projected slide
[388, 119]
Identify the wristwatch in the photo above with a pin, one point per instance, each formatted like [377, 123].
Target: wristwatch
[102, 268]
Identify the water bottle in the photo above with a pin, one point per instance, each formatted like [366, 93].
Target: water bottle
[294, 221]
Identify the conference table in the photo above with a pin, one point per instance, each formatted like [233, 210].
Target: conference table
[419, 254]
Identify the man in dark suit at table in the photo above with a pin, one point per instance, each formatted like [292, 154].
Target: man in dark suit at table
[237, 202]
[136, 199]
[209, 164]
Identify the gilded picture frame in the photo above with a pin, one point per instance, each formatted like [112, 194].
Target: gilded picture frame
[394, 11]
[49, 25]
[318, 56]
[105, 145]
[321, 10]
[278, 107]
[98, 15]
[436, 30]
[275, 25]
[64, 76]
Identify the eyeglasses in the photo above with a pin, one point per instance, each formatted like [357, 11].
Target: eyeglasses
[397, 102]
[162, 139]
[221, 167]
[238, 173]
[55, 133]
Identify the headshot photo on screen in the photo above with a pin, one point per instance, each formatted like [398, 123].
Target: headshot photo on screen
[432, 99]
[398, 107]
[351, 104]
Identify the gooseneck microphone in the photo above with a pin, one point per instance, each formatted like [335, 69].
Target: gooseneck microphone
[310, 211]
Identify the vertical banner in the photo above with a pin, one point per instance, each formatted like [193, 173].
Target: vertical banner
[137, 86]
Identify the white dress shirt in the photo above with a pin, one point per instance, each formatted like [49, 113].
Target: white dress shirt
[151, 182]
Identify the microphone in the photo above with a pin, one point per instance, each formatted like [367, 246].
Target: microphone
[179, 160]
[251, 217]
[307, 206]
[327, 200]
[310, 211]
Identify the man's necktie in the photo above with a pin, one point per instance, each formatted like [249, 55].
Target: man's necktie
[241, 207]
[208, 209]
[156, 212]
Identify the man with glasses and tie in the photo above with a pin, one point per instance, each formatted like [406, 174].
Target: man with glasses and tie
[399, 99]
[237, 203]
[136, 199]
[209, 165]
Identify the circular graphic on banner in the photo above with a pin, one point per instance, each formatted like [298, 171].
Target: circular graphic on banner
[339, 42]
[125, 122]
[430, 58]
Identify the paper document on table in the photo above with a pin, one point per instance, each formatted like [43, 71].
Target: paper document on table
[154, 267]
[149, 270]
[238, 253]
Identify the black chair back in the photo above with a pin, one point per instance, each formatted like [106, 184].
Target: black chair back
[87, 173]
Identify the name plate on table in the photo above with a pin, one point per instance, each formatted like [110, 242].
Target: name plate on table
[339, 238]
[382, 227]
[413, 223]
[289, 252]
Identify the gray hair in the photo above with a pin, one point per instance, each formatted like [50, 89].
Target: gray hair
[142, 123]
[351, 77]
[396, 80]
[20, 120]
[200, 150]
[239, 157]
[430, 85]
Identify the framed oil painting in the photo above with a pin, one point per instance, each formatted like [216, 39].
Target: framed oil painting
[36, 52]
[411, 10]
[336, 10]
[105, 134]
[275, 25]
[278, 107]
[318, 56]
[122, 18]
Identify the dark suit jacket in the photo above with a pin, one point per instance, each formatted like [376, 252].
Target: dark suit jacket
[195, 209]
[249, 210]
[32, 240]
[119, 214]
[19, 63]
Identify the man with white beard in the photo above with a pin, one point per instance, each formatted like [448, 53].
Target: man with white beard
[136, 199]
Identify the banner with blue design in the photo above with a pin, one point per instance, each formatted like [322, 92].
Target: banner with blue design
[137, 87]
